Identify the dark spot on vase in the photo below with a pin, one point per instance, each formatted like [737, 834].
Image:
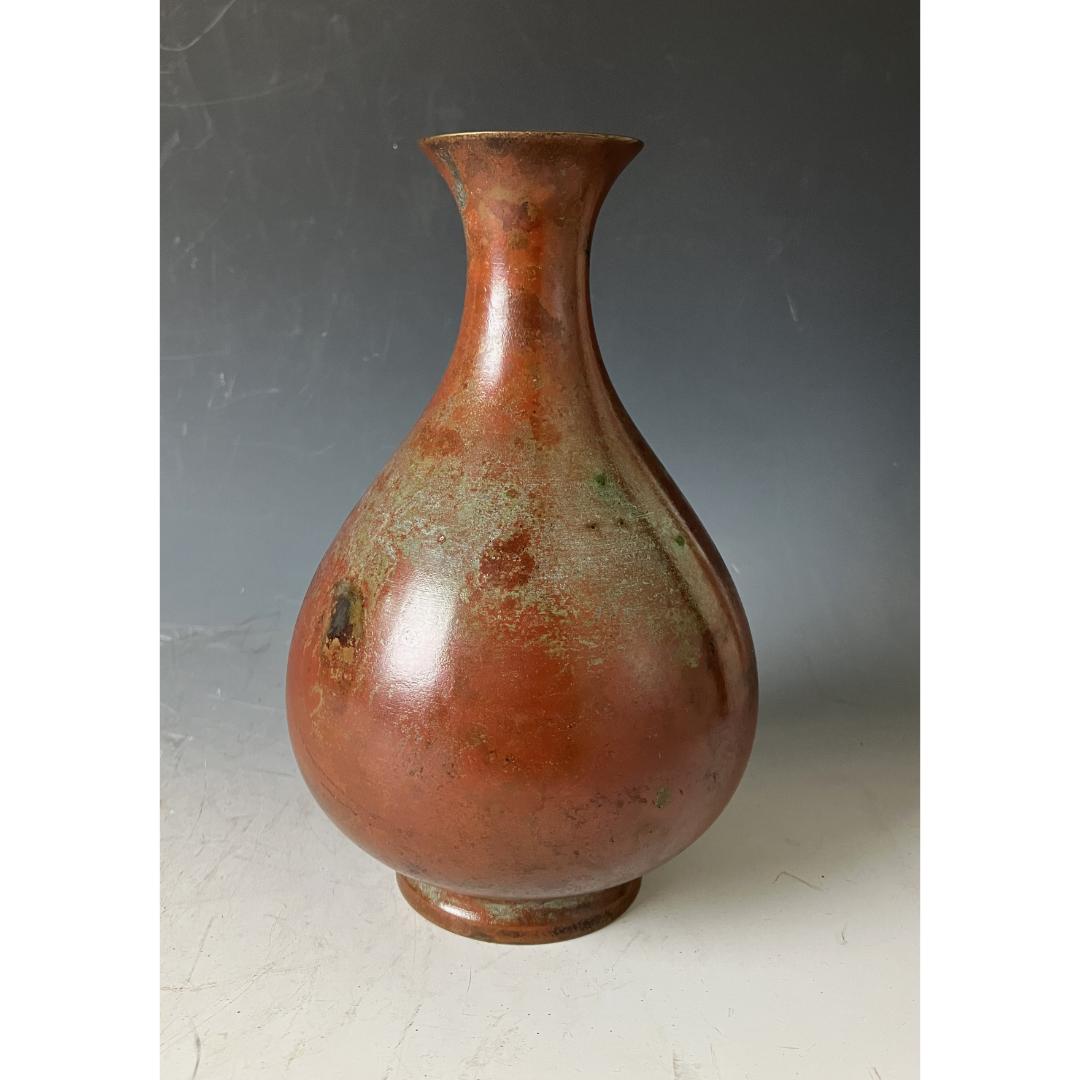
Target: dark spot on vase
[592, 524]
[716, 669]
[516, 216]
[346, 615]
[457, 185]
[497, 144]
[681, 541]
[507, 563]
[344, 631]
[601, 480]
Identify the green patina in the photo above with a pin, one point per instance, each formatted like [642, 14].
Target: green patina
[663, 797]
[428, 892]
[457, 185]
[500, 911]
[615, 498]
[515, 910]
[441, 512]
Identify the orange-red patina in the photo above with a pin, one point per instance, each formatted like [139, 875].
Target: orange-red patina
[522, 676]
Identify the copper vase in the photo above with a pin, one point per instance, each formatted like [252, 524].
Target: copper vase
[522, 676]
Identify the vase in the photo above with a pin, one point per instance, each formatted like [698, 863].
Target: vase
[521, 676]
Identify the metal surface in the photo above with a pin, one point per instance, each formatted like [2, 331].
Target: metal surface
[517, 922]
[522, 670]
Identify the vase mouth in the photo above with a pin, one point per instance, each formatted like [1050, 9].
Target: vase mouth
[530, 136]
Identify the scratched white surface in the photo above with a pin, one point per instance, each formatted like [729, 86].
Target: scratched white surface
[782, 944]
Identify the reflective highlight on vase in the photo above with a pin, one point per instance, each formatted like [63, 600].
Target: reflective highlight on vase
[418, 637]
[522, 674]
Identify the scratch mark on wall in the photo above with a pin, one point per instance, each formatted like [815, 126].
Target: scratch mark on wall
[199, 951]
[171, 144]
[198, 1052]
[312, 83]
[795, 877]
[227, 396]
[200, 237]
[206, 30]
[396, 1049]
[624, 950]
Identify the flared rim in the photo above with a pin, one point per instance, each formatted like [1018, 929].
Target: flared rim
[460, 136]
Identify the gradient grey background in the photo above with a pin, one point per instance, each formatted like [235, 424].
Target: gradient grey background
[754, 288]
[754, 284]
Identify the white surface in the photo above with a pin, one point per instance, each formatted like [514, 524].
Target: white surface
[782, 944]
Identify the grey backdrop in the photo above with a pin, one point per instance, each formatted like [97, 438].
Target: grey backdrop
[754, 285]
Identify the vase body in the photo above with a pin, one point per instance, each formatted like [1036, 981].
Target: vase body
[521, 676]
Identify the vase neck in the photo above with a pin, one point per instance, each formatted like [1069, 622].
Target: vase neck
[528, 205]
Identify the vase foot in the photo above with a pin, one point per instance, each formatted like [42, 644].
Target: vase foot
[518, 922]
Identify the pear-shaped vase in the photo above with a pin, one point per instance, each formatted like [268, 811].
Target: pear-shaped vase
[521, 676]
